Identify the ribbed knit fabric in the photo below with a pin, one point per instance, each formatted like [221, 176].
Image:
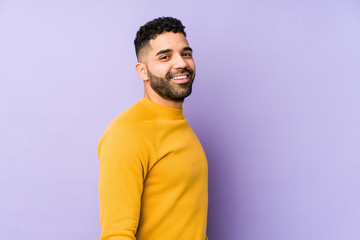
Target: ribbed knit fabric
[153, 176]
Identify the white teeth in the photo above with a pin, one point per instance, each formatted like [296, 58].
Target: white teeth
[180, 77]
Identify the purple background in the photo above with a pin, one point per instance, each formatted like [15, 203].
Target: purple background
[276, 104]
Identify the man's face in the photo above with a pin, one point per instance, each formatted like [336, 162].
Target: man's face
[170, 66]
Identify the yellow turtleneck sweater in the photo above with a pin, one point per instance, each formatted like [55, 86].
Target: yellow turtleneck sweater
[153, 176]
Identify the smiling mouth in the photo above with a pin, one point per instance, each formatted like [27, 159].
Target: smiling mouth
[183, 78]
[180, 77]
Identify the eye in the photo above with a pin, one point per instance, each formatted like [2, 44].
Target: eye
[187, 54]
[164, 57]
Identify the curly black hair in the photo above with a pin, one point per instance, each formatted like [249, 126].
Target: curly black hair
[154, 28]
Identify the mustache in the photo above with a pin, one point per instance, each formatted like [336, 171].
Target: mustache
[182, 70]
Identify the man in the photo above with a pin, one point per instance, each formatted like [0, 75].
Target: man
[153, 170]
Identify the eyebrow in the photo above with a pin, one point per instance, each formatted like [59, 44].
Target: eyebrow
[163, 51]
[170, 50]
[187, 49]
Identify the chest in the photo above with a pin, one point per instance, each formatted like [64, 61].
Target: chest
[180, 157]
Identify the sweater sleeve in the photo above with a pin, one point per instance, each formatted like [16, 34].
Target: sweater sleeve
[121, 178]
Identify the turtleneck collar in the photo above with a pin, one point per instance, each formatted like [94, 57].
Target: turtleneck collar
[163, 111]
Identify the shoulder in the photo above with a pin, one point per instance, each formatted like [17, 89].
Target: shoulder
[132, 120]
[130, 137]
[134, 126]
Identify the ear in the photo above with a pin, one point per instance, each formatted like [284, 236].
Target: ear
[142, 71]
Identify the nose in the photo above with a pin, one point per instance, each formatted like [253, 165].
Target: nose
[180, 62]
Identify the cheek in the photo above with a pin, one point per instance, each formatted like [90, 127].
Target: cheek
[163, 70]
[191, 63]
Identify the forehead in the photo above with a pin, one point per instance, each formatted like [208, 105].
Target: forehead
[168, 40]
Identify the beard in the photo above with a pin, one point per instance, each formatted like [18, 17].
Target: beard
[169, 90]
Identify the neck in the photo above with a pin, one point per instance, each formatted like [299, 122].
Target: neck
[159, 100]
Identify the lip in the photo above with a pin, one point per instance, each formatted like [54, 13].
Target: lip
[182, 80]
